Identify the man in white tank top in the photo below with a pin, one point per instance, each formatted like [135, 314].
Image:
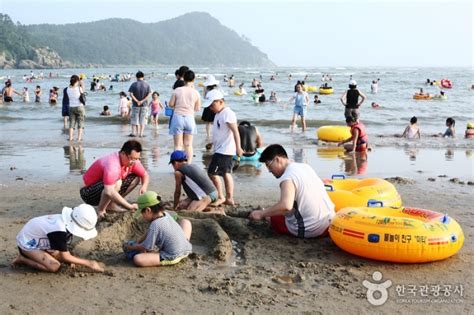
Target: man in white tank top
[304, 209]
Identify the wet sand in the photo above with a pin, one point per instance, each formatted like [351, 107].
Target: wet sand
[238, 266]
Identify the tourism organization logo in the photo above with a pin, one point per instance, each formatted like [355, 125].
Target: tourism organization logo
[377, 292]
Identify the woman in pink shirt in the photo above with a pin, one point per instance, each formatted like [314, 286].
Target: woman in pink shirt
[185, 101]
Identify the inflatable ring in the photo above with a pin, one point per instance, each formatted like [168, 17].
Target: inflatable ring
[440, 97]
[325, 91]
[418, 96]
[238, 93]
[255, 98]
[469, 131]
[252, 158]
[312, 89]
[333, 133]
[447, 84]
[354, 192]
[402, 235]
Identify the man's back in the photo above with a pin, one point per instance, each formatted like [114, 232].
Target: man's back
[312, 204]
[140, 89]
[248, 138]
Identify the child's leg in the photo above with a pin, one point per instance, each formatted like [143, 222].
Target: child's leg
[199, 205]
[184, 204]
[37, 259]
[208, 129]
[229, 189]
[147, 260]
[293, 120]
[220, 193]
[187, 228]
[303, 123]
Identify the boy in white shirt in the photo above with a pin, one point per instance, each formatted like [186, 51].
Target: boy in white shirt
[226, 143]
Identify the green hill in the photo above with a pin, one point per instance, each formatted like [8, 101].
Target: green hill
[193, 38]
[14, 41]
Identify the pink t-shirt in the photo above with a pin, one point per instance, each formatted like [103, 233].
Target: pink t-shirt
[108, 170]
[186, 99]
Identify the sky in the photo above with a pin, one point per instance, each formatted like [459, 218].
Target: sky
[420, 33]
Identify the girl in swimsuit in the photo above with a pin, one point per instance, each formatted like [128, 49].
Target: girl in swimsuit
[450, 132]
[155, 106]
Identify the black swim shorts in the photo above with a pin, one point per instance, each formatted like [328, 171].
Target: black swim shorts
[91, 195]
[220, 164]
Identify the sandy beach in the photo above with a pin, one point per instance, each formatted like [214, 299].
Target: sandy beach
[236, 267]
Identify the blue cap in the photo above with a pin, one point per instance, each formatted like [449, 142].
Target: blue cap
[178, 156]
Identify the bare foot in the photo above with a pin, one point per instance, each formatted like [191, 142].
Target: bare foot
[229, 202]
[17, 262]
[217, 203]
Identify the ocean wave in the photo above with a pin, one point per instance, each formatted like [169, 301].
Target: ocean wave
[425, 142]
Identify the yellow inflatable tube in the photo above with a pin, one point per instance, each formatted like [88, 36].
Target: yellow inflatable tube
[402, 235]
[237, 93]
[312, 89]
[418, 96]
[333, 133]
[352, 192]
[323, 90]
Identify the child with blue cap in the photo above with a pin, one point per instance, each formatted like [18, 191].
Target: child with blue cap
[193, 179]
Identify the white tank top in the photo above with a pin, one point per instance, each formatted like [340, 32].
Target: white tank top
[313, 210]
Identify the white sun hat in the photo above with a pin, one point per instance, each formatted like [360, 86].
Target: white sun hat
[211, 80]
[81, 221]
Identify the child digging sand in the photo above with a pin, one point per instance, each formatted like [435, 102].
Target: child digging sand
[170, 238]
[43, 241]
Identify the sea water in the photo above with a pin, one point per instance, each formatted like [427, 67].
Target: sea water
[32, 139]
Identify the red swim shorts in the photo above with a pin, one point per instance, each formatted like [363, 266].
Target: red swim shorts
[278, 224]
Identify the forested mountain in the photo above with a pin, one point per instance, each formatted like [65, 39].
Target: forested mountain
[14, 41]
[193, 38]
